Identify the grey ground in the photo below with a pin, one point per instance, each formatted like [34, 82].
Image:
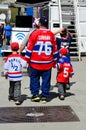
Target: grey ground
[77, 101]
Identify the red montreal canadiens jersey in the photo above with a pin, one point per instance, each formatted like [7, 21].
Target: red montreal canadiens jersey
[41, 49]
[13, 67]
[65, 70]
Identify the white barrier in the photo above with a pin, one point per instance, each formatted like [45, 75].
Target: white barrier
[82, 46]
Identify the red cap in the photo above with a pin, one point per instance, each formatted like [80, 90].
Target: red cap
[64, 51]
[14, 46]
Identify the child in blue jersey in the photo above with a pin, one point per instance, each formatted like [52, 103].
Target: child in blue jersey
[65, 71]
[64, 40]
[13, 71]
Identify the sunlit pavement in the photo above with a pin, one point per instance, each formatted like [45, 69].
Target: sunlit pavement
[76, 100]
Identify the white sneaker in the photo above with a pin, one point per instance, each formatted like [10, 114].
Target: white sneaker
[17, 102]
[62, 97]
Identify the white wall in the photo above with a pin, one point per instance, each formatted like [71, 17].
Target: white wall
[82, 28]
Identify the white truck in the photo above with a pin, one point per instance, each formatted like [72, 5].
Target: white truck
[49, 8]
[21, 34]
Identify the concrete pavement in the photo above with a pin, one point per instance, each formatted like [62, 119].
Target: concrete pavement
[77, 101]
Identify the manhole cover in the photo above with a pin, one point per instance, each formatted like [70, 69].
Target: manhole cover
[37, 114]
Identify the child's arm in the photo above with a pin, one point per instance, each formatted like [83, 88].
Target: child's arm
[6, 73]
[6, 66]
[72, 71]
[58, 31]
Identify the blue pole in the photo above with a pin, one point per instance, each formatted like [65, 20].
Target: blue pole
[0, 52]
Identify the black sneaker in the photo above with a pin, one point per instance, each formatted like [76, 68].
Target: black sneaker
[11, 99]
[44, 99]
[35, 98]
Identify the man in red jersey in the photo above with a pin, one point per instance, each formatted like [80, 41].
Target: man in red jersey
[41, 55]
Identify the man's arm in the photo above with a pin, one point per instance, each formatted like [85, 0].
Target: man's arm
[23, 44]
[25, 41]
[22, 47]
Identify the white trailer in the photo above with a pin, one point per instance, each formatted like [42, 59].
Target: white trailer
[21, 34]
[60, 13]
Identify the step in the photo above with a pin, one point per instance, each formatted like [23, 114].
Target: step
[74, 58]
[74, 51]
[74, 44]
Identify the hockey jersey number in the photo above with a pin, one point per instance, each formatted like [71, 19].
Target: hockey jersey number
[66, 72]
[44, 47]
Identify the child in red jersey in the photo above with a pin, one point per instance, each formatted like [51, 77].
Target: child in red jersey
[65, 71]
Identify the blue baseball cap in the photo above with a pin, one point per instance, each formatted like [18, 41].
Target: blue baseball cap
[44, 21]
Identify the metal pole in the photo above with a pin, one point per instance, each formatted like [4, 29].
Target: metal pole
[60, 15]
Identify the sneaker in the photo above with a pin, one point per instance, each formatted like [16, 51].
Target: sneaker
[35, 98]
[44, 99]
[62, 97]
[11, 99]
[17, 102]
